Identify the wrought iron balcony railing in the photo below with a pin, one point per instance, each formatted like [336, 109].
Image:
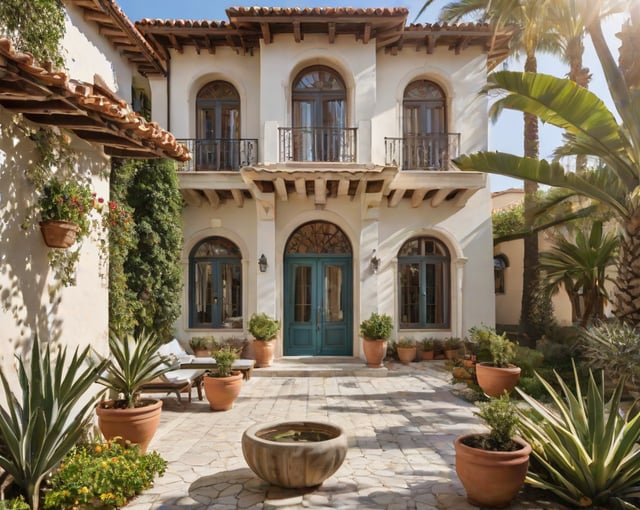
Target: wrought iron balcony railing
[328, 144]
[422, 152]
[220, 154]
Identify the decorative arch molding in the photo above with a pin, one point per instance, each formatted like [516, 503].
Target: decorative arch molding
[435, 74]
[199, 235]
[442, 234]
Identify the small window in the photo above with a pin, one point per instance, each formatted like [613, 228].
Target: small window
[215, 284]
[500, 263]
[423, 272]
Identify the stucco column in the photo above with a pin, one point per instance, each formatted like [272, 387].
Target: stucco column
[159, 106]
[458, 295]
[266, 282]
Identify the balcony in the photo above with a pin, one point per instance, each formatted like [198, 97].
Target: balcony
[220, 154]
[315, 144]
[422, 152]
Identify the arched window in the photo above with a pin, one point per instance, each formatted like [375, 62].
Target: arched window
[424, 126]
[319, 115]
[215, 284]
[500, 263]
[218, 128]
[423, 271]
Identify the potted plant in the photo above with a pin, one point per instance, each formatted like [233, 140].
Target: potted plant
[428, 346]
[498, 375]
[406, 349]
[134, 361]
[202, 345]
[451, 347]
[264, 329]
[492, 466]
[222, 385]
[375, 332]
[64, 210]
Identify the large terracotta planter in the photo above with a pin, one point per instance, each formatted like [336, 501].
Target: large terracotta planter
[495, 381]
[374, 352]
[59, 234]
[263, 352]
[491, 479]
[137, 425]
[406, 354]
[202, 353]
[294, 454]
[427, 355]
[221, 392]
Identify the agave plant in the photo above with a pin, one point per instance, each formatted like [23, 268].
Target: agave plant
[40, 426]
[135, 361]
[585, 447]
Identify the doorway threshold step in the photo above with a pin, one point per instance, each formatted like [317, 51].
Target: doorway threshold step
[314, 366]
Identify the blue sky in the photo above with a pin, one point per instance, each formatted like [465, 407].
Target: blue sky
[504, 135]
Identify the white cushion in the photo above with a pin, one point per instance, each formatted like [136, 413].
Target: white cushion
[182, 374]
[172, 348]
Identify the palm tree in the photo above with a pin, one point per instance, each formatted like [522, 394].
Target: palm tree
[536, 32]
[590, 130]
[580, 266]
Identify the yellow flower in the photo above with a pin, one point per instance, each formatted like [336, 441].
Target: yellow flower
[84, 490]
[104, 464]
[98, 449]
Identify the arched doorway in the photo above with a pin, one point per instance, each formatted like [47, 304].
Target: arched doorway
[318, 299]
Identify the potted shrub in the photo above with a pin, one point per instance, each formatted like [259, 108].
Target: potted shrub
[222, 385]
[492, 466]
[264, 329]
[134, 361]
[202, 345]
[451, 347]
[64, 212]
[375, 332]
[498, 375]
[406, 349]
[428, 348]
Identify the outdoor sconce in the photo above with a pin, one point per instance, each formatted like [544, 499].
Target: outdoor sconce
[375, 262]
[262, 262]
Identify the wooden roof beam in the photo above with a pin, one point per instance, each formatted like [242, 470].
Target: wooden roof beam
[266, 32]
[297, 34]
[212, 197]
[174, 42]
[366, 36]
[238, 197]
[332, 32]
[281, 189]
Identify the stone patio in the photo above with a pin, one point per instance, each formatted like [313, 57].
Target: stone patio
[401, 422]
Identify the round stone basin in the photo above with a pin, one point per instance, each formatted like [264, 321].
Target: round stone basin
[294, 454]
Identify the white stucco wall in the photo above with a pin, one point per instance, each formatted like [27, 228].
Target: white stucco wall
[88, 53]
[75, 316]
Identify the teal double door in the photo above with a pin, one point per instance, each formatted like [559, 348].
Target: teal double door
[318, 305]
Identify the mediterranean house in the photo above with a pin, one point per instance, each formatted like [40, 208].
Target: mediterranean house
[320, 187]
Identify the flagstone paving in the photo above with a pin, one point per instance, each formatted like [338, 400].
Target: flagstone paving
[401, 429]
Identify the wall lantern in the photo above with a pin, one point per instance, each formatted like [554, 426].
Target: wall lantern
[262, 262]
[375, 262]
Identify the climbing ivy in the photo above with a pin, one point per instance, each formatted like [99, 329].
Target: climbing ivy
[36, 26]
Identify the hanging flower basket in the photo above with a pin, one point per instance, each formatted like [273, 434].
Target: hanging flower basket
[59, 234]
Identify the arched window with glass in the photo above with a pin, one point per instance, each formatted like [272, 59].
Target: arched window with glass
[218, 127]
[426, 143]
[215, 284]
[319, 120]
[424, 280]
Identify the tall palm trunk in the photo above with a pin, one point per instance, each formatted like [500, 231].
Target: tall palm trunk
[628, 279]
[530, 273]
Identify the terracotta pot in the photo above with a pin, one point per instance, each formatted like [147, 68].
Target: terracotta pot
[307, 462]
[491, 479]
[263, 352]
[451, 354]
[137, 425]
[221, 392]
[406, 354]
[495, 381]
[427, 355]
[59, 234]
[374, 352]
[202, 353]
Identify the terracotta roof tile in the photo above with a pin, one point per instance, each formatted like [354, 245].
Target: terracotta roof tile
[89, 110]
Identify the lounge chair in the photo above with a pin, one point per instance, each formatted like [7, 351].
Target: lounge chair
[180, 380]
